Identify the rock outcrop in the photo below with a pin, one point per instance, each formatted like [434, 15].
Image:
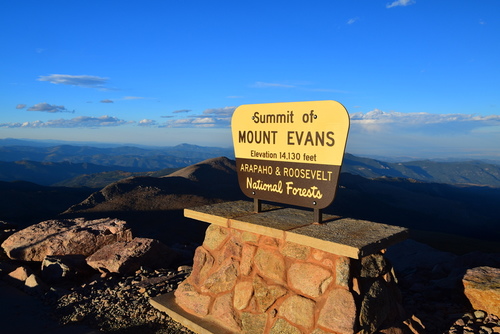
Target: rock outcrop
[128, 256]
[482, 288]
[64, 237]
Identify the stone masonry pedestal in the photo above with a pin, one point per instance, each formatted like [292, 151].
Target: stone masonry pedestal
[276, 272]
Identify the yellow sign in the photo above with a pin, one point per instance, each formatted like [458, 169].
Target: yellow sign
[290, 152]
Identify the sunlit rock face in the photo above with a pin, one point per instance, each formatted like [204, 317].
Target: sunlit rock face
[64, 237]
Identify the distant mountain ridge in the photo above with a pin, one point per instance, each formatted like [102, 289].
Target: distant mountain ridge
[49, 173]
[70, 165]
[464, 172]
[144, 159]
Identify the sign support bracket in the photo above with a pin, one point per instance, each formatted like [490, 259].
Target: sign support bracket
[257, 205]
[318, 216]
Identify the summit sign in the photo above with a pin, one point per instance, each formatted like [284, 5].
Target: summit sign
[290, 153]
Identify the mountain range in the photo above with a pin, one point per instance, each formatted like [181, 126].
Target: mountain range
[77, 166]
[445, 204]
[433, 211]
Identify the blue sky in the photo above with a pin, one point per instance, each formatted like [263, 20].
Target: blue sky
[419, 78]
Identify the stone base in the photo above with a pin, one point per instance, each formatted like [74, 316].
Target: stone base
[275, 272]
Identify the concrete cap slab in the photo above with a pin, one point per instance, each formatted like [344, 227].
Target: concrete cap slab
[342, 236]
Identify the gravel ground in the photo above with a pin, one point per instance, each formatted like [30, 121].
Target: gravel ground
[119, 304]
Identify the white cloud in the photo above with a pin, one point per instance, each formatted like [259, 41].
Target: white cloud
[205, 120]
[400, 3]
[353, 20]
[20, 106]
[194, 122]
[216, 118]
[77, 122]
[181, 111]
[44, 106]
[147, 122]
[88, 81]
[106, 101]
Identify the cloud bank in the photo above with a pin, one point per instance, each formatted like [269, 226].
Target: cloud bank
[424, 135]
[87, 81]
[51, 108]
[378, 120]
[210, 118]
[77, 122]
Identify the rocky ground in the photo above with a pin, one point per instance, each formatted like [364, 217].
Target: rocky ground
[120, 303]
[113, 303]
[433, 291]
[430, 282]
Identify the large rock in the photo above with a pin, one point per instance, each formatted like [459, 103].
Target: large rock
[35, 286]
[187, 296]
[18, 275]
[310, 279]
[482, 288]
[64, 237]
[339, 312]
[299, 311]
[128, 256]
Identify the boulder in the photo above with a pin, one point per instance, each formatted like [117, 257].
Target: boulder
[64, 237]
[35, 286]
[18, 275]
[482, 288]
[128, 256]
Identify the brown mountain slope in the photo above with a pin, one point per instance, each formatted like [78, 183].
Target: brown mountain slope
[210, 181]
[154, 205]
